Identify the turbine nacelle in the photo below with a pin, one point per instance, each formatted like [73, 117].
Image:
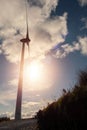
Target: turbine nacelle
[25, 40]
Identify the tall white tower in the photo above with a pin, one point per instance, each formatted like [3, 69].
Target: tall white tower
[24, 41]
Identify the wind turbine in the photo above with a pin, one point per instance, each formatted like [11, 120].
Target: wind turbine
[24, 41]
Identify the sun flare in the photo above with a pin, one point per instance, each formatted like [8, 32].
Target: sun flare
[37, 76]
[33, 72]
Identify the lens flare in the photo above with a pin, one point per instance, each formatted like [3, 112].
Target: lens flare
[33, 72]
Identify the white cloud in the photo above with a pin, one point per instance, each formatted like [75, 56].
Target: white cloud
[0, 49]
[83, 43]
[7, 114]
[47, 34]
[8, 94]
[31, 108]
[83, 2]
[56, 27]
[44, 32]
[28, 104]
[11, 96]
[31, 104]
[13, 82]
[43, 8]
[66, 49]
[11, 49]
[70, 48]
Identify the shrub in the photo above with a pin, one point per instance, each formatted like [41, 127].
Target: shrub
[69, 111]
[4, 119]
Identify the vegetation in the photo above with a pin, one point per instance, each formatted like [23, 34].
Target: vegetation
[69, 112]
[2, 119]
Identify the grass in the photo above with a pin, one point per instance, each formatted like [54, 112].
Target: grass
[4, 119]
[69, 112]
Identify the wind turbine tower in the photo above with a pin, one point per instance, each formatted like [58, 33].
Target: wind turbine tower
[24, 41]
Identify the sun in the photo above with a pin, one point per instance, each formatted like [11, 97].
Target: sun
[33, 71]
[37, 76]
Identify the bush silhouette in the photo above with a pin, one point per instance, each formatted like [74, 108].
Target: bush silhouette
[69, 112]
[2, 119]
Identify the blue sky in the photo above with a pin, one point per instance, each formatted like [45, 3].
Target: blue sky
[58, 33]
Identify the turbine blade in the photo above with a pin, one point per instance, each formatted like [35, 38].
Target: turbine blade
[27, 31]
[27, 34]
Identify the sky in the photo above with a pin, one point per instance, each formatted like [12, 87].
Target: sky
[58, 47]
